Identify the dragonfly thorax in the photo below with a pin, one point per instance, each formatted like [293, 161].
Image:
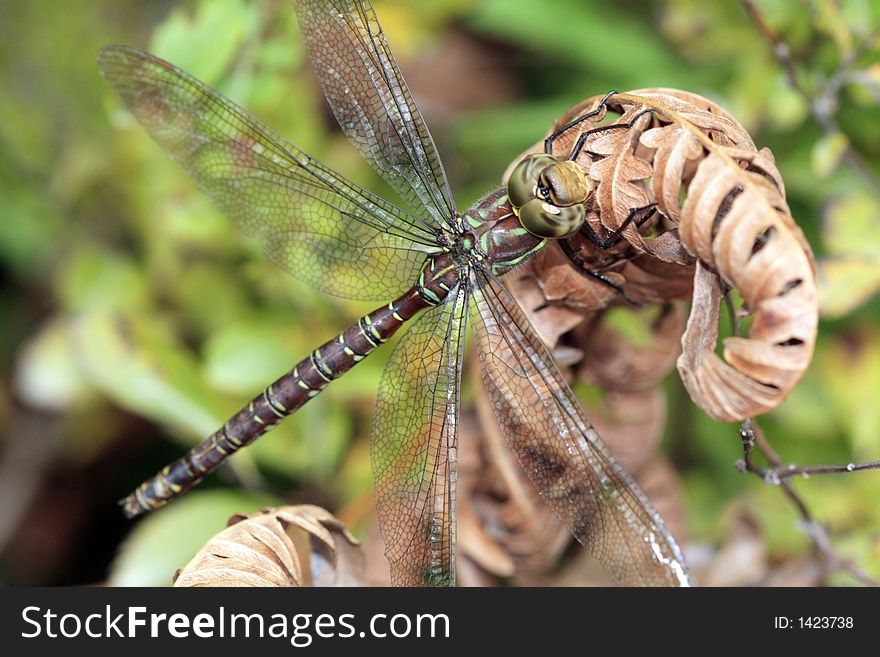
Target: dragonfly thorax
[440, 275]
[501, 241]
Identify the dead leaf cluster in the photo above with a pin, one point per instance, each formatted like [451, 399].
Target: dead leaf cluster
[722, 224]
[300, 545]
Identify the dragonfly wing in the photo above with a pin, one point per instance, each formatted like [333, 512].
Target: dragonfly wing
[415, 446]
[561, 453]
[372, 101]
[318, 225]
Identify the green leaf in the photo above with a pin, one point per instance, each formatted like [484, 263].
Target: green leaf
[805, 414]
[206, 42]
[167, 539]
[634, 327]
[137, 365]
[851, 226]
[866, 87]
[830, 20]
[827, 152]
[789, 109]
[32, 226]
[777, 518]
[851, 234]
[47, 376]
[845, 284]
[95, 278]
[211, 297]
[310, 444]
[244, 357]
[852, 375]
[591, 34]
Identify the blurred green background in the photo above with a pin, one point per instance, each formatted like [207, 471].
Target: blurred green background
[136, 318]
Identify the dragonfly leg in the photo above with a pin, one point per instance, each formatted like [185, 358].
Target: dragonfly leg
[598, 276]
[582, 138]
[617, 236]
[548, 143]
[589, 233]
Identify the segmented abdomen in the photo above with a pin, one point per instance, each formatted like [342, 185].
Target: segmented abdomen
[291, 391]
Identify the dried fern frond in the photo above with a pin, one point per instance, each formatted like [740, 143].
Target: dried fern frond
[720, 200]
[505, 528]
[260, 550]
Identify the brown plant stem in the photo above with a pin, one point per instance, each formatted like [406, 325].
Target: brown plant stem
[780, 474]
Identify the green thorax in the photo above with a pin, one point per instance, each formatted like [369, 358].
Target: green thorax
[501, 240]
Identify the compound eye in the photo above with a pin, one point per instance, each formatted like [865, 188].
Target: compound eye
[567, 183]
[550, 221]
[524, 178]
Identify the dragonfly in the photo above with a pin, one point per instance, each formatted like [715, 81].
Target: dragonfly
[439, 267]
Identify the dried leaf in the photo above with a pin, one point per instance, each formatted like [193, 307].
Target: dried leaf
[649, 280]
[565, 286]
[676, 151]
[476, 542]
[698, 111]
[737, 222]
[722, 391]
[806, 572]
[615, 363]
[533, 291]
[661, 483]
[470, 574]
[259, 550]
[377, 571]
[734, 218]
[619, 175]
[508, 505]
[631, 424]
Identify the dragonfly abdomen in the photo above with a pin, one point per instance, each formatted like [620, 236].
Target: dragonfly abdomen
[293, 390]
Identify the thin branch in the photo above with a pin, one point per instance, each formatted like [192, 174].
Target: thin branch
[807, 470]
[751, 435]
[824, 104]
[780, 474]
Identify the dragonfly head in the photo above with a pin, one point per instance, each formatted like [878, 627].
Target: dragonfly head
[549, 195]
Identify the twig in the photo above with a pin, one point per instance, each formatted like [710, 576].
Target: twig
[750, 436]
[824, 104]
[779, 475]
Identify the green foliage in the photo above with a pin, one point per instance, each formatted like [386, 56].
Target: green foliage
[850, 273]
[125, 289]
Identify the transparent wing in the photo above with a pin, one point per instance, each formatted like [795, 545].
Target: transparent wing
[561, 453]
[372, 101]
[415, 447]
[318, 226]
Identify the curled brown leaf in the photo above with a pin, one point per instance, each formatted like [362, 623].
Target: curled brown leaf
[723, 201]
[262, 549]
[753, 245]
[511, 510]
